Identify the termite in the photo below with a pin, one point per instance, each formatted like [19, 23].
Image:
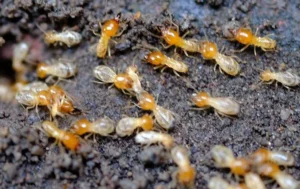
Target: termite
[60, 69]
[220, 183]
[228, 64]
[36, 86]
[136, 85]
[172, 37]
[106, 75]
[253, 181]
[19, 85]
[32, 99]
[109, 30]
[246, 37]
[159, 60]
[126, 126]
[287, 78]
[68, 37]
[20, 53]
[186, 173]
[62, 103]
[33, 95]
[67, 138]
[272, 170]
[152, 137]
[280, 158]
[165, 118]
[6, 92]
[102, 126]
[223, 105]
[224, 158]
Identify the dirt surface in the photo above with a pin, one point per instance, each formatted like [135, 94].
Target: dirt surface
[270, 116]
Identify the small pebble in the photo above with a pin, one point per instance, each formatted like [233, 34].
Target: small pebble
[37, 150]
[10, 169]
[285, 114]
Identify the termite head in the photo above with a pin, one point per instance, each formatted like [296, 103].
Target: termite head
[81, 126]
[41, 70]
[243, 35]
[200, 99]
[17, 86]
[266, 75]
[45, 98]
[208, 49]
[66, 106]
[123, 81]
[147, 122]
[259, 156]
[50, 37]
[187, 175]
[70, 141]
[240, 166]
[169, 35]
[111, 27]
[146, 101]
[268, 169]
[155, 58]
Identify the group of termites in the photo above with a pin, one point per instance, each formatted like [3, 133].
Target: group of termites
[60, 103]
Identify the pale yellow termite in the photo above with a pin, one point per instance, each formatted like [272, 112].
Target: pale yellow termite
[20, 53]
[109, 30]
[223, 105]
[136, 86]
[287, 78]
[68, 37]
[152, 137]
[186, 172]
[280, 158]
[224, 158]
[253, 181]
[102, 126]
[270, 169]
[227, 64]
[220, 183]
[127, 125]
[61, 69]
[158, 59]
[164, 117]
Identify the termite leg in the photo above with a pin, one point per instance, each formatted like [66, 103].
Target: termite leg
[176, 73]
[121, 32]
[165, 47]
[158, 67]
[186, 54]
[241, 50]
[220, 69]
[100, 25]
[185, 34]
[97, 34]
[108, 50]
[215, 68]
[163, 69]
[37, 111]
[177, 27]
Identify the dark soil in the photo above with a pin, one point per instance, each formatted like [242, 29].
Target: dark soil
[270, 116]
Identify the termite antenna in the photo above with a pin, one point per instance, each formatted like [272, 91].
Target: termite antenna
[205, 35]
[40, 28]
[150, 33]
[189, 84]
[134, 59]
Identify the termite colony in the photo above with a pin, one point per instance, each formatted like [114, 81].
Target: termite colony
[262, 162]
[152, 126]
